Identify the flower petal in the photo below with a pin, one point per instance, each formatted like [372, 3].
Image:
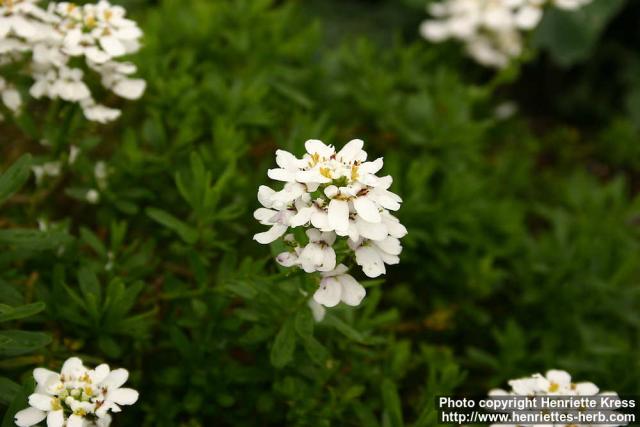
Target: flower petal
[367, 209]
[352, 291]
[115, 379]
[339, 215]
[350, 151]
[112, 46]
[29, 417]
[42, 376]
[41, 401]
[369, 259]
[329, 292]
[123, 396]
[314, 146]
[75, 421]
[270, 235]
[55, 418]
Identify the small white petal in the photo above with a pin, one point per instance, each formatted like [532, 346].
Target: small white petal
[329, 292]
[55, 419]
[369, 230]
[281, 175]
[587, 389]
[370, 261]
[314, 146]
[350, 151]
[42, 376]
[29, 417]
[271, 235]
[123, 396]
[352, 291]
[390, 245]
[562, 378]
[100, 373]
[130, 88]
[367, 209]
[112, 46]
[41, 401]
[115, 379]
[339, 215]
[75, 421]
[317, 310]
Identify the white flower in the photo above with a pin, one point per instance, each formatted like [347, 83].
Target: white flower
[338, 198]
[490, 29]
[46, 41]
[337, 286]
[92, 196]
[554, 383]
[77, 396]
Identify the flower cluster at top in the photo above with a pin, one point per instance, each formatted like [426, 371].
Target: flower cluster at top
[56, 46]
[490, 29]
[338, 198]
[553, 383]
[76, 397]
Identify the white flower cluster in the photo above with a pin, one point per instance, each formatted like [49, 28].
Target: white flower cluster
[336, 196]
[51, 40]
[553, 383]
[77, 397]
[490, 29]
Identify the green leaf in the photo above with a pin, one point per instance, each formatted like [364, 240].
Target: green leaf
[19, 402]
[89, 285]
[284, 345]
[570, 36]
[12, 313]
[8, 391]
[34, 240]
[392, 406]
[185, 231]
[304, 323]
[15, 343]
[14, 177]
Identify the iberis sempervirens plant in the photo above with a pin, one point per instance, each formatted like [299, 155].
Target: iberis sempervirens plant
[58, 46]
[491, 30]
[343, 208]
[77, 396]
[556, 383]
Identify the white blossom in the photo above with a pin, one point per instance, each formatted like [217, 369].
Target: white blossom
[492, 30]
[554, 383]
[77, 396]
[45, 42]
[337, 197]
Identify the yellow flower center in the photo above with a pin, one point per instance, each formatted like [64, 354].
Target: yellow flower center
[553, 387]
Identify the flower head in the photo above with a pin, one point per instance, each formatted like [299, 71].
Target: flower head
[337, 196]
[77, 396]
[492, 30]
[47, 42]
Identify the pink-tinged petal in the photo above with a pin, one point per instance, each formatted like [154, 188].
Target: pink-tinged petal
[329, 237]
[352, 292]
[314, 146]
[72, 365]
[339, 215]
[43, 376]
[371, 231]
[273, 234]
[265, 216]
[302, 217]
[350, 151]
[340, 269]
[29, 417]
[329, 292]
[370, 261]
[281, 175]
[367, 209]
[123, 396]
[116, 378]
[287, 259]
[311, 257]
[55, 419]
[371, 167]
[40, 401]
[75, 421]
[390, 245]
[317, 310]
[314, 235]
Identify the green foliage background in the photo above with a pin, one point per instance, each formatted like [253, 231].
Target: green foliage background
[523, 247]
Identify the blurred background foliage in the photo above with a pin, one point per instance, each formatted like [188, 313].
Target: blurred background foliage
[523, 246]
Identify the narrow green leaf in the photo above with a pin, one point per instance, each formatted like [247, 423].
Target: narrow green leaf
[8, 391]
[392, 404]
[185, 231]
[34, 240]
[14, 177]
[284, 345]
[19, 402]
[12, 313]
[15, 343]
